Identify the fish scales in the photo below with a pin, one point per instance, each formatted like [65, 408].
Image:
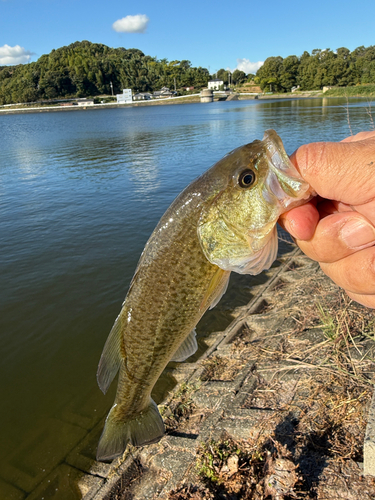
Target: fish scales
[223, 221]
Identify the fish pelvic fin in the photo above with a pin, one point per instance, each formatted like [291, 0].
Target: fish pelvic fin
[110, 360]
[143, 428]
[188, 347]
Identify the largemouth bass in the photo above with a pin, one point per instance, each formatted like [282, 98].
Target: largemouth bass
[224, 221]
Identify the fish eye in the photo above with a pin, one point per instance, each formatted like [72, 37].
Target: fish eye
[246, 178]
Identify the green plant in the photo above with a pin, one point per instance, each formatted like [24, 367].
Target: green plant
[329, 325]
[213, 455]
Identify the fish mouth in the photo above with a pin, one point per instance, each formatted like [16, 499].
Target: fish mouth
[283, 181]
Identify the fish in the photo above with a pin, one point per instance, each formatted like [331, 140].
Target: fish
[223, 221]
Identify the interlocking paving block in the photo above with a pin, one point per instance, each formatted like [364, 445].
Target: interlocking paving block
[211, 427]
[176, 463]
[30, 463]
[65, 483]
[183, 371]
[170, 459]
[89, 485]
[83, 456]
[248, 424]
[148, 486]
[213, 395]
[87, 413]
[181, 440]
[9, 492]
[369, 444]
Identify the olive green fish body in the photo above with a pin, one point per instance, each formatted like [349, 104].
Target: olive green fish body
[173, 286]
[223, 221]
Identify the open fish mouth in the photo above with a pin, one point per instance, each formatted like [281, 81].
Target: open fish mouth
[283, 184]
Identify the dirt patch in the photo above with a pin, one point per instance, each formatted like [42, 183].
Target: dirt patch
[220, 368]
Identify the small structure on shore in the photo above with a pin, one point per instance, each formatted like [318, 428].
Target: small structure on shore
[125, 97]
[142, 96]
[207, 95]
[216, 84]
[164, 92]
[84, 102]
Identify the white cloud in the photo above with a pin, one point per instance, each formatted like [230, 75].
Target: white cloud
[131, 24]
[247, 66]
[14, 55]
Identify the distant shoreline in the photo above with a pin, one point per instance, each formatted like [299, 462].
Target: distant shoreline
[167, 101]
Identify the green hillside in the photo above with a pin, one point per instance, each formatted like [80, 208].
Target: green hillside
[321, 68]
[87, 69]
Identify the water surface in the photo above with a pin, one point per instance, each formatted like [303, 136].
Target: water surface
[80, 192]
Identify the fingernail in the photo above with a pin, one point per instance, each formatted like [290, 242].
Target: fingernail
[357, 233]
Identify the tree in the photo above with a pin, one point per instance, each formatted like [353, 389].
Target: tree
[268, 75]
[238, 76]
[222, 74]
[288, 75]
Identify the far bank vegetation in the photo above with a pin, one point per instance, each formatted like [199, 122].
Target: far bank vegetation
[85, 69]
[354, 71]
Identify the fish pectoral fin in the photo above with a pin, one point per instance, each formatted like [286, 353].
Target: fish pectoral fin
[188, 347]
[110, 360]
[216, 289]
[261, 260]
[221, 289]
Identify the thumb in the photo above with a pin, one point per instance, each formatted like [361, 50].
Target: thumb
[341, 171]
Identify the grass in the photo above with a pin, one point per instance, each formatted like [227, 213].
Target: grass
[355, 91]
[180, 409]
[231, 469]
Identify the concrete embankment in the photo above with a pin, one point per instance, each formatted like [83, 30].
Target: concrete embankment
[194, 98]
[291, 378]
[112, 105]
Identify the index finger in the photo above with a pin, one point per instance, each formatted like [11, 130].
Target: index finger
[340, 171]
[359, 137]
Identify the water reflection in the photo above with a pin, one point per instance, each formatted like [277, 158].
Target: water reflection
[144, 173]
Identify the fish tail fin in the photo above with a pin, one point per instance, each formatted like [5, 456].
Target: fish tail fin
[143, 428]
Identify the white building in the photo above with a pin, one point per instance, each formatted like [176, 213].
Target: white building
[216, 84]
[125, 97]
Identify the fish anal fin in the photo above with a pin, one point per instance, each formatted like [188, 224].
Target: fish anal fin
[142, 428]
[216, 289]
[111, 358]
[188, 347]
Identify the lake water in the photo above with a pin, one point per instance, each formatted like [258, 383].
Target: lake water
[80, 192]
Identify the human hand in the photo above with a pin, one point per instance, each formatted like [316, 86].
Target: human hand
[337, 227]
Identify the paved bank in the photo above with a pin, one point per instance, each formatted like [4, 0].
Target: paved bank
[272, 384]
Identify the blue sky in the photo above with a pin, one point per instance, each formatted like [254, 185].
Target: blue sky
[210, 34]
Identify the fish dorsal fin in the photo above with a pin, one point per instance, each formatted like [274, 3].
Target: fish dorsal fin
[188, 347]
[110, 360]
